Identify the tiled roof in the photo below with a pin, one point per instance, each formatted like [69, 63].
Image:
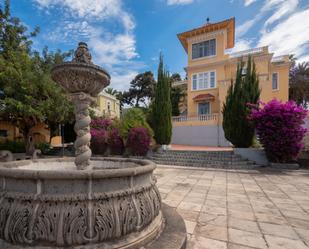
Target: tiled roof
[228, 24]
[205, 96]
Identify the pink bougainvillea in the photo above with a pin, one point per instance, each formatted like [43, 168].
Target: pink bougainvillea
[99, 135]
[280, 129]
[101, 123]
[98, 141]
[115, 142]
[138, 141]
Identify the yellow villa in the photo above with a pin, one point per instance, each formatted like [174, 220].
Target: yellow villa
[107, 105]
[210, 70]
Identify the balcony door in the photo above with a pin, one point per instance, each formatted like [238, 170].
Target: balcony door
[203, 108]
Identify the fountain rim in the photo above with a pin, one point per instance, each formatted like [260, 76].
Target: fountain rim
[142, 167]
[69, 64]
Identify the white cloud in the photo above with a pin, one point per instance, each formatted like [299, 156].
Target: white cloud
[115, 49]
[112, 48]
[241, 45]
[249, 2]
[289, 36]
[179, 2]
[277, 8]
[244, 28]
[121, 81]
[281, 9]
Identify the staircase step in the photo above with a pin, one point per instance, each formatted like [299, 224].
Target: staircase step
[210, 162]
[205, 159]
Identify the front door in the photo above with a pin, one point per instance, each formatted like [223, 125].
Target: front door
[203, 108]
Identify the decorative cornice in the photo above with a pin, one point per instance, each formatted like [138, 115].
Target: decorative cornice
[205, 37]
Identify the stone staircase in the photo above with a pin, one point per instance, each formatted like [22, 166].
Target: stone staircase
[204, 159]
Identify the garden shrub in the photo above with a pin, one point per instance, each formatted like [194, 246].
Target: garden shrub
[138, 141]
[43, 147]
[99, 135]
[101, 123]
[280, 129]
[134, 117]
[115, 142]
[13, 146]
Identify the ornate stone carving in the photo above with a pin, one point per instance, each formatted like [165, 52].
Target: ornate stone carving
[82, 54]
[36, 154]
[64, 223]
[83, 80]
[105, 211]
[82, 129]
[6, 156]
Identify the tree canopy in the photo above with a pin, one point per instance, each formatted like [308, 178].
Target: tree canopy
[111, 91]
[29, 94]
[299, 83]
[141, 90]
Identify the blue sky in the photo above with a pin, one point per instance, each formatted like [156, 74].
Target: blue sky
[126, 36]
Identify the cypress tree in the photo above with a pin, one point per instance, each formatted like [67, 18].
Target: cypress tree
[162, 107]
[236, 126]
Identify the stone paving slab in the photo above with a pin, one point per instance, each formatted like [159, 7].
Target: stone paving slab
[239, 209]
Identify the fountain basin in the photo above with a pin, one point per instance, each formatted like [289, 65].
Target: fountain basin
[49, 203]
[80, 77]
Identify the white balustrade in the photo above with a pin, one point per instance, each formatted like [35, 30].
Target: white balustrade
[203, 117]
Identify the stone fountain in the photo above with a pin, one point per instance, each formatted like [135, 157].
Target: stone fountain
[84, 203]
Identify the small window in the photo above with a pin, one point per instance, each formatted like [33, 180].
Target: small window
[204, 80]
[275, 85]
[3, 133]
[194, 82]
[200, 81]
[212, 79]
[204, 49]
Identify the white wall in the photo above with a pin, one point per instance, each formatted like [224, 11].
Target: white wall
[210, 135]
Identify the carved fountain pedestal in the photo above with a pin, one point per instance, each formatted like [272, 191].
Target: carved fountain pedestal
[102, 203]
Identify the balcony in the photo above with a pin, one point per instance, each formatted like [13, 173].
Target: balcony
[248, 52]
[205, 119]
[180, 83]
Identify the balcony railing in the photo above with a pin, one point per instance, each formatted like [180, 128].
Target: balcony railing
[180, 83]
[247, 52]
[204, 117]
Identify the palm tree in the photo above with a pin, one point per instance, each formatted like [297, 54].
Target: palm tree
[111, 91]
[299, 83]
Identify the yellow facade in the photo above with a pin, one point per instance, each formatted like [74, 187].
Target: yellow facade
[218, 69]
[107, 105]
[10, 132]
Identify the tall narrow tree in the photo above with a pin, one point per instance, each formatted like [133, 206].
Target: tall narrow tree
[162, 107]
[237, 129]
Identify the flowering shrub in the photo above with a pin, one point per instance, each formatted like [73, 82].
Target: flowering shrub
[138, 141]
[98, 141]
[115, 142]
[99, 135]
[101, 123]
[134, 117]
[280, 129]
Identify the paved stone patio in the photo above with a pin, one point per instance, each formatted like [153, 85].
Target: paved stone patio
[239, 209]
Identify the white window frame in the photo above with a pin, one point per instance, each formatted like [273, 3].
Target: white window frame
[277, 81]
[208, 78]
[203, 57]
